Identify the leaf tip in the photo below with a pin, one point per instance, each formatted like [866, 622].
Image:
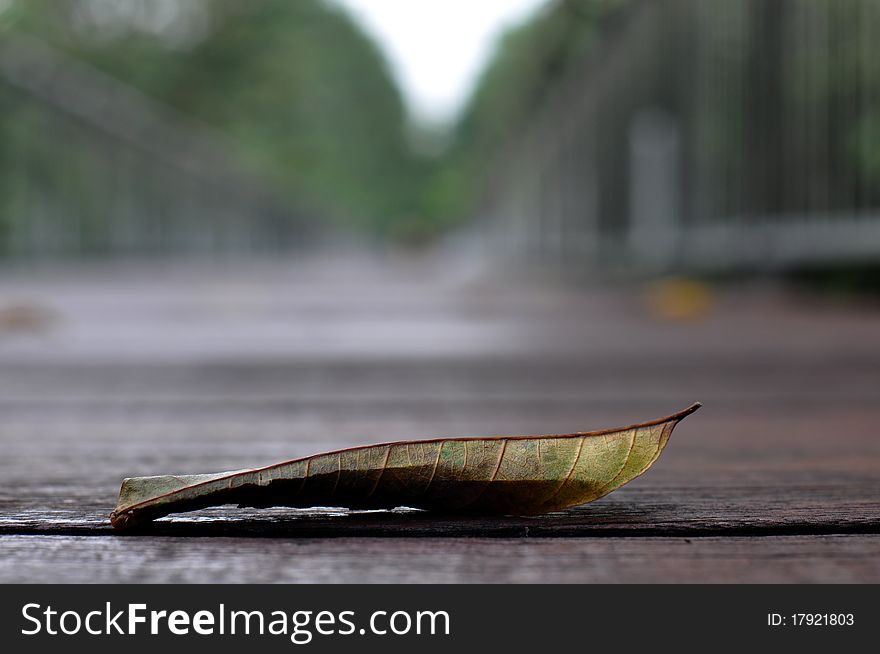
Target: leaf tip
[686, 412]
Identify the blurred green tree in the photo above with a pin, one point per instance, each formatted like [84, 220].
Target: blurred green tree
[528, 60]
[297, 86]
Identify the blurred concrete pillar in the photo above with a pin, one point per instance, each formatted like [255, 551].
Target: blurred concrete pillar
[654, 188]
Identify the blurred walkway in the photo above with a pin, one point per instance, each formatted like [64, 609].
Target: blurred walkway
[111, 371]
[366, 309]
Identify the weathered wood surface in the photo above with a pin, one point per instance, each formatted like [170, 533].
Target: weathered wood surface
[185, 371]
[78, 559]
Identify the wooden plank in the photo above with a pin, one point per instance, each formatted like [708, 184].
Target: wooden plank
[351, 310]
[630, 512]
[725, 471]
[761, 468]
[779, 559]
[188, 373]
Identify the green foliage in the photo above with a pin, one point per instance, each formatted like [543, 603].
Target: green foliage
[301, 91]
[307, 99]
[528, 60]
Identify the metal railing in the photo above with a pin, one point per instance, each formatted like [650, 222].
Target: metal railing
[703, 135]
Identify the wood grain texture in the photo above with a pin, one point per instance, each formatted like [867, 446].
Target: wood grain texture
[175, 371]
[774, 559]
[726, 474]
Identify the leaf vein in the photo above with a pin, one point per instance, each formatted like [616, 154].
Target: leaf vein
[632, 444]
[565, 479]
[338, 473]
[381, 472]
[434, 469]
[491, 479]
[305, 475]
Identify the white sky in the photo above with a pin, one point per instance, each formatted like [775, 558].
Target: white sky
[438, 48]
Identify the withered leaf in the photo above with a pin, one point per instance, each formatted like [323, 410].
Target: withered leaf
[518, 475]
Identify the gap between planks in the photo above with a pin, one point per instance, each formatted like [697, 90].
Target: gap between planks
[286, 530]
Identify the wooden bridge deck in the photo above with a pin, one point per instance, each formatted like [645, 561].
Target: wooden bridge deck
[127, 371]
